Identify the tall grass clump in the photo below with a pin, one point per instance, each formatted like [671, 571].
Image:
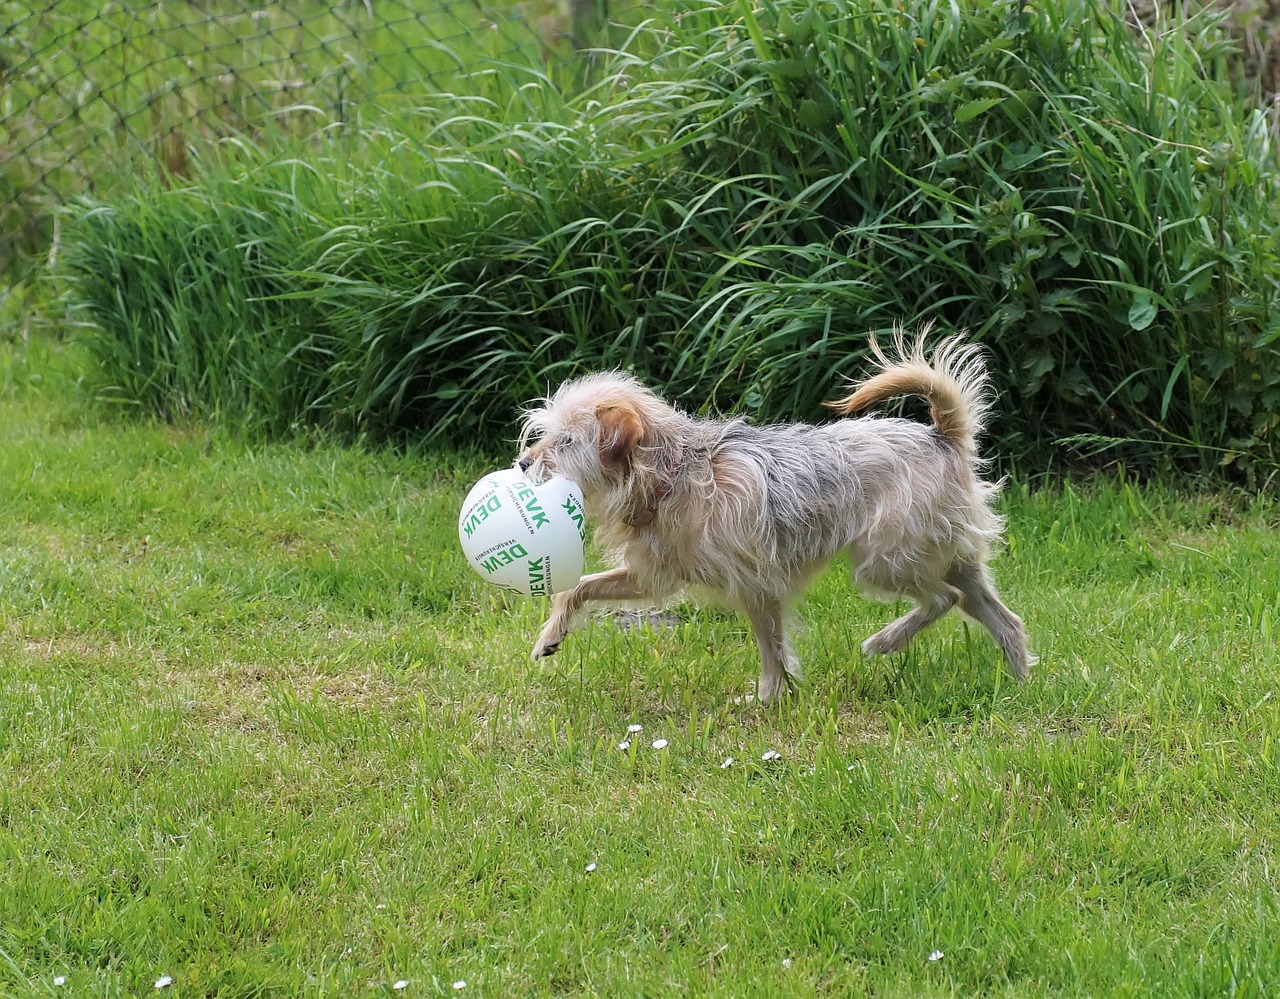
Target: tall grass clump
[1082, 193]
[740, 196]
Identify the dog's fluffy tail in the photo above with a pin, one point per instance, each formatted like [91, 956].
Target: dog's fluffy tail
[953, 381]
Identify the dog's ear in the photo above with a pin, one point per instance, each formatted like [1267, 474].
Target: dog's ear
[621, 429]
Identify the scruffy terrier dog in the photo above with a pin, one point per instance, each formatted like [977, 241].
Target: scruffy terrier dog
[750, 515]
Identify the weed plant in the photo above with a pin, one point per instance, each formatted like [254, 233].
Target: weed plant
[739, 197]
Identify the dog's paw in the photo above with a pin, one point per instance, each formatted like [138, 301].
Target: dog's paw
[548, 643]
[1019, 665]
[884, 643]
[772, 688]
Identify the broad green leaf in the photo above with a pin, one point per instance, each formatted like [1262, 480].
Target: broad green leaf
[972, 109]
[1143, 311]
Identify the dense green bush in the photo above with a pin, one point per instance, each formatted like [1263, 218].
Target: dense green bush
[1082, 195]
[729, 218]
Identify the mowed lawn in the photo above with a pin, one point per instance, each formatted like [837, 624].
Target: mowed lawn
[263, 733]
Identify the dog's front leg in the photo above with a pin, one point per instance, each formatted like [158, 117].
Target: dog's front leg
[616, 584]
[780, 669]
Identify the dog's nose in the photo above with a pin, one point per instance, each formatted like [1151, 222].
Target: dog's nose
[523, 464]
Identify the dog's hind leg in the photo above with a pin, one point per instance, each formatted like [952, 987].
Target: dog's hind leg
[895, 635]
[780, 669]
[980, 601]
[616, 584]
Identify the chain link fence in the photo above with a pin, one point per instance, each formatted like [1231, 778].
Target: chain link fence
[90, 92]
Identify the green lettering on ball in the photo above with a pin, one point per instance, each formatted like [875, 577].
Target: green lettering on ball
[491, 505]
[504, 556]
[575, 514]
[537, 577]
[529, 500]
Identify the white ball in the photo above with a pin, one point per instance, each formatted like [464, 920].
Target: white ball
[523, 536]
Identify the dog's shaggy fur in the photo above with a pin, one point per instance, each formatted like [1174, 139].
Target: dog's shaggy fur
[749, 515]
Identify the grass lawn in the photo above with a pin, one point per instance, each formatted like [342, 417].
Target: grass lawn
[261, 731]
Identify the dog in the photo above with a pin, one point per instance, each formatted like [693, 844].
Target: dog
[749, 515]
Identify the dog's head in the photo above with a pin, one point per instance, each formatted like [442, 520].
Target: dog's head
[591, 431]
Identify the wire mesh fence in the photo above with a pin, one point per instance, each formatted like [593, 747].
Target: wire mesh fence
[91, 91]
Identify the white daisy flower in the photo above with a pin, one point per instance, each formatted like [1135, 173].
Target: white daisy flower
[164, 981]
[771, 754]
[659, 743]
[936, 956]
[633, 729]
[728, 762]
